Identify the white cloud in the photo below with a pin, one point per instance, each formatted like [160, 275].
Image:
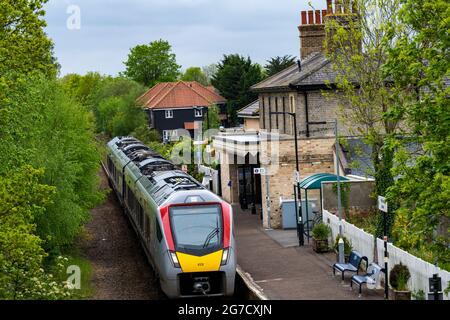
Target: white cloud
[200, 31]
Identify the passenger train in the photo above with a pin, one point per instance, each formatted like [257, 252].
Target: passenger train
[186, 230]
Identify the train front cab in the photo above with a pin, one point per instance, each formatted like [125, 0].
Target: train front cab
[201, 259]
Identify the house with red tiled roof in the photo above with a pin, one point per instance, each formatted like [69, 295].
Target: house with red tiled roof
[180, 105]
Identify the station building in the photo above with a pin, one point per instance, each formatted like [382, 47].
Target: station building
[269, 143]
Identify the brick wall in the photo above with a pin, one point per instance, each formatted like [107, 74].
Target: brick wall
[228, 173]
[312, 38]
[320, 108]
[316, 156]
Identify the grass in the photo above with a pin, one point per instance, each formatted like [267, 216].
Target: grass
[86, 290]
[76, 258]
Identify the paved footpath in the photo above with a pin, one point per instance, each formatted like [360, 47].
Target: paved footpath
[289, 273]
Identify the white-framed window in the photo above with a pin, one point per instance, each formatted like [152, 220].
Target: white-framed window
[198, 113]
[171, 135]
[166, 135]
[169, 114]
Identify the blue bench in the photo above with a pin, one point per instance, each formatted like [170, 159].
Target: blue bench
[371, 278]
[353, 265]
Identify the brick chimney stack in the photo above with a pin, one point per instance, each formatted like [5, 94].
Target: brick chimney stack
[312, 32]
[312, 26]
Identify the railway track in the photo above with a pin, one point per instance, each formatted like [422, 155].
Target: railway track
[109, 265]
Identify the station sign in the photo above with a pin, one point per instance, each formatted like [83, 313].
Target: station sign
[382, 204]
[259, 171]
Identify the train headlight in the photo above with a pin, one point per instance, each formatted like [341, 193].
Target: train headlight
[225, 255]
[175, 261]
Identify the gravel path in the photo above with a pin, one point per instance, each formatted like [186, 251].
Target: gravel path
[120, 270]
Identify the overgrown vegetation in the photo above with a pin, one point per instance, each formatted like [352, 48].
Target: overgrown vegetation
[48, 177]
[392, 63]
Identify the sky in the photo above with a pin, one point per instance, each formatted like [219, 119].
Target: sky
[97, 35]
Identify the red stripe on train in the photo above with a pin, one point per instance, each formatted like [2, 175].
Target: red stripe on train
[166, 226]
[226, 215]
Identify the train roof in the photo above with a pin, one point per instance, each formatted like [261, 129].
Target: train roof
[163, 178]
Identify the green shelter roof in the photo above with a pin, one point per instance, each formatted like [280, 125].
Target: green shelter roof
[314, 182]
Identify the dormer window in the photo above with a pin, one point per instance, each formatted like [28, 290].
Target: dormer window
[169, 114]
[198, 112]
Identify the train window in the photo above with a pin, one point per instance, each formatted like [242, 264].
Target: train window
[158, 230]
[196, 227]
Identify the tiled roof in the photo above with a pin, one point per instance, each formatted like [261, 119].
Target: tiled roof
[252, 110]
[316, 71]
[179, 94]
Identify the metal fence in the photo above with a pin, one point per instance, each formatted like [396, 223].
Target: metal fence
[364, 242]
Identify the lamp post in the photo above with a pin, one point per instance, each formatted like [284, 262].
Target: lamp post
[300, 225]
[338, 174]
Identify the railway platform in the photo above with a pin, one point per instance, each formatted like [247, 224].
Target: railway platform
[281, 270]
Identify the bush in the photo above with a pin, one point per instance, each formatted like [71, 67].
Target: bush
[399, 277]
[347, 245]
[46, 129]
[321, 231]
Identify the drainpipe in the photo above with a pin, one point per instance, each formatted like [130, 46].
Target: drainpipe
[305, 94]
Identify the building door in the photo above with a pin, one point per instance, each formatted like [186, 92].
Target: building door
[249, 186]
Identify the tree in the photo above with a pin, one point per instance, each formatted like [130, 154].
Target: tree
[22, 199]
[24, 46]
[152, 64]
[418, 65]
[277, 64]
[235, 75]
[210, 71]
[44, 128]
[356, 46]
[195, 74]
[214, 117]
[114, 106]
[81, 87]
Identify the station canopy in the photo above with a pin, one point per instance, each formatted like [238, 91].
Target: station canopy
[314, 182]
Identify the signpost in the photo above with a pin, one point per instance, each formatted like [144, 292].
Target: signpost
[383, 207]
[435, 288]
[263, 172]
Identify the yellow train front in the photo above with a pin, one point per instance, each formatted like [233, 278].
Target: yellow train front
[185, 230]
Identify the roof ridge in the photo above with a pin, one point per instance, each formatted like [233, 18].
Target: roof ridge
[163, 85]
[250, 104]
[313, 70]
[168, 91]
[273, 76]
[201, 95]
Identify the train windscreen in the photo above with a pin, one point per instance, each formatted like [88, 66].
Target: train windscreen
[197, 229]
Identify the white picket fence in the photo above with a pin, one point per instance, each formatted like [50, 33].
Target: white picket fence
[364, 243]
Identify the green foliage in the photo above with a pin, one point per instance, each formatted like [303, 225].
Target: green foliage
[277, 64]
[24, 46]
[345, 195]
[418, 67]
[367, 222]
[23, 199]
[399, 277]
[151, 64]
[321, 231]
[80, 87]
[114, 105]
[347, 245]
[235, 75]
[213, 117]
[195, 74]
[357, 47]
[46, 129]
[419, 295]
